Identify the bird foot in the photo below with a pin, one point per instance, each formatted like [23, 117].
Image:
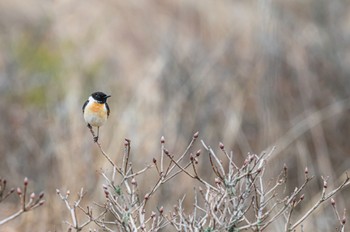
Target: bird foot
[95, 139]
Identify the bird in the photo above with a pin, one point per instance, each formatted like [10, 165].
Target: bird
[96, 111]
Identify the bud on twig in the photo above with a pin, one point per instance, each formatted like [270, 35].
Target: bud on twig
[196, 135]
[19, 191]
[153, 214]
[146, 196]
[32, 195]
[25, 181]
[161, 210]
[306, 173]
[221, 145]
[162, 140]
[245, 162]
[198, 153]
[343, 221]
[106, 193]
[332, 202]
[133, 181]
[154, 160]
[166, 151]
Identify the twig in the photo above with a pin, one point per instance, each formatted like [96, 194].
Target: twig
[323, 198]
[33, 202]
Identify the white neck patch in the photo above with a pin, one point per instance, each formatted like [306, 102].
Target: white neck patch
[91, 99]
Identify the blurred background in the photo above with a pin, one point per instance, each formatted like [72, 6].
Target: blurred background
[252, 74]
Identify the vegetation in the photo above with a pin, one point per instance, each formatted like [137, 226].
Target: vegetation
[253, 75]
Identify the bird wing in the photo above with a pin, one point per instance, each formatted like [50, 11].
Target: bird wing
[108, 110]
[85, 104]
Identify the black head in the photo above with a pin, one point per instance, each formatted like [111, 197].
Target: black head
[100, 97]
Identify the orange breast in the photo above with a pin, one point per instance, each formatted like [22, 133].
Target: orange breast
[98, 109]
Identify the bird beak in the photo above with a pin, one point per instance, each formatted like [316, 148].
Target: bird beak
[108, 96]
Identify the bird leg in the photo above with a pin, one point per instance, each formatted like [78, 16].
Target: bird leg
[93, 133]
[96, 137]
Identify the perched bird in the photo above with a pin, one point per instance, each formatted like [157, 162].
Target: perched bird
[96, 111]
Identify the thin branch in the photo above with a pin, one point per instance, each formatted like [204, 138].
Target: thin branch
[322, 199]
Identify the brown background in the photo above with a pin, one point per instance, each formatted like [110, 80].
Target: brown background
[252, 74]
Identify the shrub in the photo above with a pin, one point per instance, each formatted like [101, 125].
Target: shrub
[239, 197]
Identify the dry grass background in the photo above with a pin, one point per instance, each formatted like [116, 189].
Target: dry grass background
[251, 74]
